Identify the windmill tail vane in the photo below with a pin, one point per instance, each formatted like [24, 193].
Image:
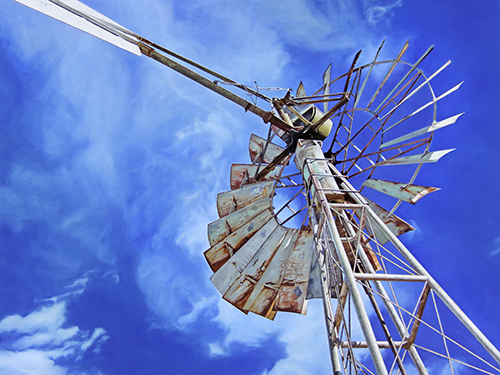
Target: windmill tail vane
[299, 223]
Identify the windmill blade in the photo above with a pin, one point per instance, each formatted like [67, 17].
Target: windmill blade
[413, 67]
[219, 254]
[395, 224]
[358, 96]
[427, 157]
[293, 290]
[326, 83]
[426, 82]
[84, 18]
[301, 91]
[427, 129]
[263, 151]
[391, 69]
[244, 285]
[231, 270]
[426, 105]
[262, 299]
[242, 173]
[406, 192]
[230, 201]
[220, 229]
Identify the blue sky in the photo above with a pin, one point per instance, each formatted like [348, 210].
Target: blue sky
[110, 166]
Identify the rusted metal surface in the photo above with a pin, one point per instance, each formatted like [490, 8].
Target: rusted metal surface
[395, 224]
[219, 254]
[262, 299]
[427, 129]
[244, 285]
[427, 157]
[311, 150]
[233, 200]
[220, 229]
[418, 317]
[257, 146]
[243, 174]
[406, 192]
[231, 270]
[293, 290]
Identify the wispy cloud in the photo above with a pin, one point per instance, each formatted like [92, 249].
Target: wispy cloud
[34, 343]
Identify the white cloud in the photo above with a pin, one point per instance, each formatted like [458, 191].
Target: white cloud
[33, 344]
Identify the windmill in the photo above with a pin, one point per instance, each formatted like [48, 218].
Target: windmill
[339, 234]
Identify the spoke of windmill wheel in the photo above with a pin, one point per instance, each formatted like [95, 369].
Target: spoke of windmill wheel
[427, 129]
[400, 55]
[360, 92]
[419, 87]
[426, 105]
[420, 142]
[413, 67]
[411, 82]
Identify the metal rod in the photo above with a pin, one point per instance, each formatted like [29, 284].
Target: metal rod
[388, 277]
[326, 296]
[265, 115]
[448, 301]
[363, 318]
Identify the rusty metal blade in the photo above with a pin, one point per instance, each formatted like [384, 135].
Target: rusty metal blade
[230, 201]
[427, 157]
[326, 83]
[258, 145]
[84, 18]
[395, 224]
[406, 192]
[293, 290]
[220, 229]
[242, 287]
[242, 173]
[391, 69]
[301, 91]
[426, 105]
[418, 88]
[218, 254]
[427, 129]
[414, 66]
[231, 270]
[262, 299]
[360, 92]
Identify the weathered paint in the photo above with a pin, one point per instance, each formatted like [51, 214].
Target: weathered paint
[231, 270]
[326, 83]
[86, 19]
[243, 286]
[395, 224]
[218, 254]
[220, 229]
[293, 290]
[406, 192]
[230, 201]
[427, 157]
[309, 149]
[257, 146]
[301, 91]
[261, 301]
[241, 174]
[427, 129]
